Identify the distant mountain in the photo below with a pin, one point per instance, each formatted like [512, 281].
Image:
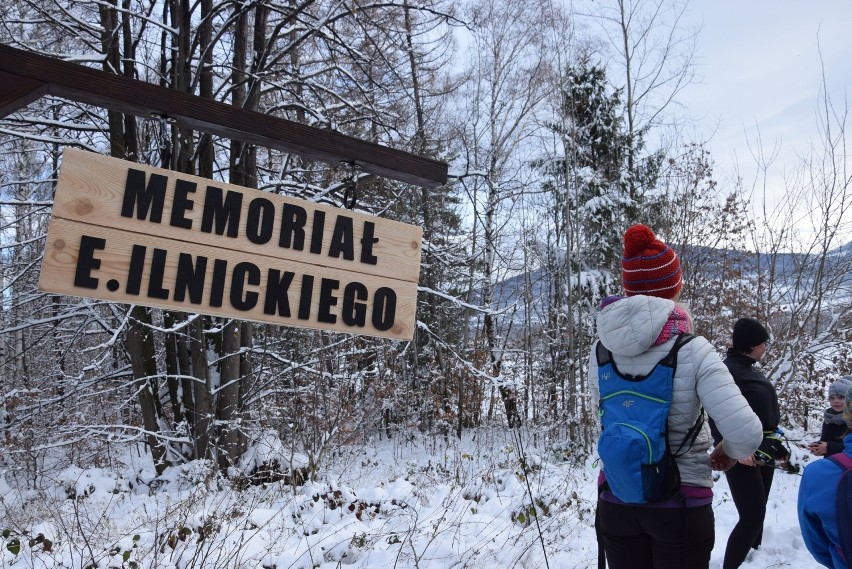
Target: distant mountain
[843, 250]
[508, 294]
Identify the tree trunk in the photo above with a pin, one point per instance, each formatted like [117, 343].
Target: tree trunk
[140, 341]
[140, 348]
[202, 408]
[228, 401]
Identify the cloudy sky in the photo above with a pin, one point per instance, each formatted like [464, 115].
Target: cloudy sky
[760, 65]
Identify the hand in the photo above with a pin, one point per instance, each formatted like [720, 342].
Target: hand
[818, 448]
[749, 461]
[719, 460]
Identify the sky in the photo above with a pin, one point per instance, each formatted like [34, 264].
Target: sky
[759, 65]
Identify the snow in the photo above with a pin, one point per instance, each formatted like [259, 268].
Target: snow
[411, 501]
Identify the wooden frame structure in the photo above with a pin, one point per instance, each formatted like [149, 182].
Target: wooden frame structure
[26, 77]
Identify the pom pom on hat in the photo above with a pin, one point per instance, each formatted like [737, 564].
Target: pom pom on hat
[747, 334]
[649, 266]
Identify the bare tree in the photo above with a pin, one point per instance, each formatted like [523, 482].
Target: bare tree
[803, 265]
[508, 81]
[654, 53]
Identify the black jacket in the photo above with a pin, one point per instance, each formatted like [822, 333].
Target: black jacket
[757, 390]
[833, 433]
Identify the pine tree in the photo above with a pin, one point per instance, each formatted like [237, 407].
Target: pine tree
[589, 205]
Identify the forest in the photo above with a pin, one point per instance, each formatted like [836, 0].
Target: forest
[561, 127]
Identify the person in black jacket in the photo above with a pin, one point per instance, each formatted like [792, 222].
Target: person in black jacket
[833, 426]
[750, 479]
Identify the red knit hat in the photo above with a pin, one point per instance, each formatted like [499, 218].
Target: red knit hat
[649, 266]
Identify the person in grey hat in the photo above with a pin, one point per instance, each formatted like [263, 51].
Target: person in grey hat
[833, 426]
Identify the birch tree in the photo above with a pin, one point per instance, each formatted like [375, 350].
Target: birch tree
[508, 81]
[653, 59]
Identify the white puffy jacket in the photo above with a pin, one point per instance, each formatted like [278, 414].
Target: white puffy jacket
[628, 328]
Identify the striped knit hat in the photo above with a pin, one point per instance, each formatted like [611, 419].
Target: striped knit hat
[649, 266]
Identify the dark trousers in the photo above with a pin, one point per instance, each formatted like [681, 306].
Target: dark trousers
[750, 490]
[639, 537]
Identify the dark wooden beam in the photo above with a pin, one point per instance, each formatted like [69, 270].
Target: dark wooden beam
[26, 76]
[17, 92]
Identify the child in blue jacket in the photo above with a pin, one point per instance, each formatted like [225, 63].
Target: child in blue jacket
[817, 510]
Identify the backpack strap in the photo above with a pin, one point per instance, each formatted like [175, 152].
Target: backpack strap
[690, 435]
[671, 359]
[843, 460]
[603, 355]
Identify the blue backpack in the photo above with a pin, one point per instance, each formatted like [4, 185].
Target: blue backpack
[843, 503]
[634, 443]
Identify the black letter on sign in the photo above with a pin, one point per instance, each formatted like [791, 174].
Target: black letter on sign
[135, 193]
[384, 308]
[244, 273]
[217, 283]
[261, 216]
[158, 270]
[86, 261]
[181, 204]
[276, 292]
[134, 272]
[342, 240]
[317, 231]
[306, 296]
[190, 277]
[327, 300]
[354, 313]
[293, 219]
[222, 213]
[367, 244]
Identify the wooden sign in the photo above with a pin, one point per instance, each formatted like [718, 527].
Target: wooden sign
[127, 232]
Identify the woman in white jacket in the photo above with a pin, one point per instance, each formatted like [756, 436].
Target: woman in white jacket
[639, 330]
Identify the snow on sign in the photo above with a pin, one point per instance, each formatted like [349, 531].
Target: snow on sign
[128, 232]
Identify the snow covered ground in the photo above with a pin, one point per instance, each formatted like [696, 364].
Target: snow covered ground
[417, 503]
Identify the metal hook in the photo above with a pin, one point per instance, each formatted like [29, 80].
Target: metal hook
[165, 138]
[350, 186]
